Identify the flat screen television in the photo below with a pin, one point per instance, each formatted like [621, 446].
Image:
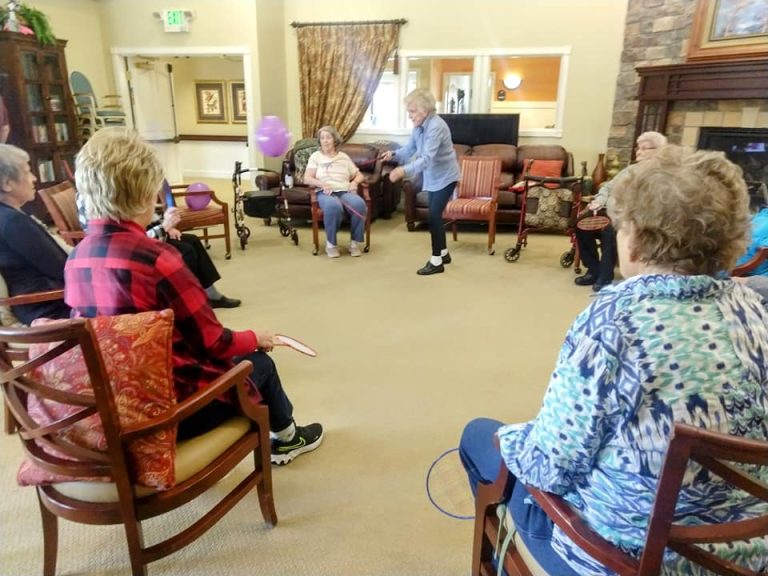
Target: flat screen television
[475, 129]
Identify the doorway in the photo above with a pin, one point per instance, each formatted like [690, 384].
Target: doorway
[145, 79]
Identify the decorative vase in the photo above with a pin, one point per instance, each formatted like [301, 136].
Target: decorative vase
[613, 167]
[599, 174]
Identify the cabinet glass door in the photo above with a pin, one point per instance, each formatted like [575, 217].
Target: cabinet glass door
[52, 67]
[35, 98]
[29, 66]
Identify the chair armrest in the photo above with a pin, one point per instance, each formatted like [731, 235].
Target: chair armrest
[760, 256]
[582, 535]
[33, 298]
[235, 376]
[363, 189]
[267, 181]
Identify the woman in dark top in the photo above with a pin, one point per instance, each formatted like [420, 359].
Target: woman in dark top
[30, 259]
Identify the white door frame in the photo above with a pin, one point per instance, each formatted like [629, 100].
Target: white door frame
[120, 55]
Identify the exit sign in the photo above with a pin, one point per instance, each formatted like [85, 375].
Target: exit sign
[175, 21]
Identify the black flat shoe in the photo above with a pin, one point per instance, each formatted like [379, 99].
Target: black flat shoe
[585, 280]
[224, 302]
[599, 285]
[430, 268]
[446, 259]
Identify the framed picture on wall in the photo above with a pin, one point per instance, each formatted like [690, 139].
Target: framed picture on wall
[211, 102]
[238, 103]
[729, 29]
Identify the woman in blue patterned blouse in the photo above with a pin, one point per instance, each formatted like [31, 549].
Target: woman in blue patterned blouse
[672, 343]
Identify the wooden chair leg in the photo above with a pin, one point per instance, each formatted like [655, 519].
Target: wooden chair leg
[9, 422]
[367, 231]
[315, 234]
[50, 538]
[492, 235]
[135, 537]
[264, 487]
[454, 230]
[227, 240]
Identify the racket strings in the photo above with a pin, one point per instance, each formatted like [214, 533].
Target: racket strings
[448, 488]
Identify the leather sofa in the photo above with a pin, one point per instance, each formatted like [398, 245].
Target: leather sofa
[365, 157]
[513, 162]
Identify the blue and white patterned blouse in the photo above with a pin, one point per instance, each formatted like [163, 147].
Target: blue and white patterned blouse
[649, 352]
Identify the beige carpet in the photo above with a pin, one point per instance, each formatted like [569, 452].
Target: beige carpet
[404, 362]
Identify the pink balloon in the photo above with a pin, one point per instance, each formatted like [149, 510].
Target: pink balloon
[272, 137]
[198, 201]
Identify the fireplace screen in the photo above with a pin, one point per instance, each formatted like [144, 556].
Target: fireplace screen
[747, 147]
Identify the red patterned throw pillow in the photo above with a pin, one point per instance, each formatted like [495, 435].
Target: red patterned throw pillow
[543, 169]
[136, 349]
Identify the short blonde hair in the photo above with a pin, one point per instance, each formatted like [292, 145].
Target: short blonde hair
[333, 132]
[688, 211]
[117, 173]
[422, 99]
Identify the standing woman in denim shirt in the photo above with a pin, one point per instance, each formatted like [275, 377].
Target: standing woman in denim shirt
[429, 151]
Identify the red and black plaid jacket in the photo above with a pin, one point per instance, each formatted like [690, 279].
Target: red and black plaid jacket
[117, 269]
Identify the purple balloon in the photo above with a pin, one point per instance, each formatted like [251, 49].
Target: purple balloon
[198, 201]
[272, 137]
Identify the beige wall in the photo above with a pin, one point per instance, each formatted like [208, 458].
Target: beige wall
[79, 22]
[186, 71]
[593, 29]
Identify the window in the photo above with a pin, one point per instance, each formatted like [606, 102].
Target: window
[473, 82]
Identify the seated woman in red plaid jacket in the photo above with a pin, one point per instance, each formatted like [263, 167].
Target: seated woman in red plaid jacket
[117, 269]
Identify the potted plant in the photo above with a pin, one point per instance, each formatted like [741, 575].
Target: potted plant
[20, 17]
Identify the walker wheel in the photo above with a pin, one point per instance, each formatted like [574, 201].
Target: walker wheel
[566, 260]
[295, 238]
[512, 254]
[284, 231]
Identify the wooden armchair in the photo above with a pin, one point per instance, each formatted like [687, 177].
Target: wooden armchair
[61, 204]
[7, 318]
[199, 462]
[317, 217]
[215, 214]
[712, 451]
[744, 269]
[477, 195]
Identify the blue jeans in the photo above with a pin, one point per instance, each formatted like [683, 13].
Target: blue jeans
[333, 207]
[437, 201]
[482, 460]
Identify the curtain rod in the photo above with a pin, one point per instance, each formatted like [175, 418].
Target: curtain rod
[401, 21]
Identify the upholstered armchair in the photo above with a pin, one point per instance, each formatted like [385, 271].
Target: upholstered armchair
[365, 157]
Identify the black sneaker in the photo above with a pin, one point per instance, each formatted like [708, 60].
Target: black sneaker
[430, 268]
[306, 439]
[224, 302]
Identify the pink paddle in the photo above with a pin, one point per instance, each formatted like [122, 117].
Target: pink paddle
[282, 340]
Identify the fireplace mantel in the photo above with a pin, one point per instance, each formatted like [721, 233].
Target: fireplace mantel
[660, 86]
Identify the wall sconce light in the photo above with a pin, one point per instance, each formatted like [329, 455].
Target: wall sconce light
[512, 81]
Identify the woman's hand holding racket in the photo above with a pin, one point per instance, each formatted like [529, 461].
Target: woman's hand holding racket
[266, 341]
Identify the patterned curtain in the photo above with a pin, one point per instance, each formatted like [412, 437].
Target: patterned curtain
[340, 66]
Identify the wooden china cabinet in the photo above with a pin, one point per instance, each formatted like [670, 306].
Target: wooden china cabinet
[34, 84]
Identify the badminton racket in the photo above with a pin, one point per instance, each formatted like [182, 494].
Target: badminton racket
[592, 222]
[448, 488]
[283, 340]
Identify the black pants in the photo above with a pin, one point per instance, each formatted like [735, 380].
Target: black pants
[264, 375]
[437, 201]
[599, 263]
[196, 258]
